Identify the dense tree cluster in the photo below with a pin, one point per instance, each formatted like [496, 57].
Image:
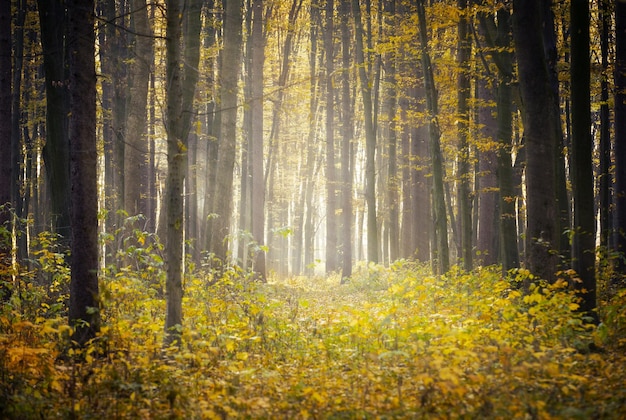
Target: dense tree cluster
[298, 137]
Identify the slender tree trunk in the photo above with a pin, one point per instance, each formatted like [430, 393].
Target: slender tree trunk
[463, 92]
[393, 184]
[176, 160]
[331, 181]
[256, 150]
[508, 220]
[5, 144]
[619, 192]
[52, 19]
[136, 142]
[20, 192]
[584, 239]
[84, 300]
[488, 208]
[370, 138]
[605, 126]
[441, 225]
[346, 145]
[229, 76]
[562, 199]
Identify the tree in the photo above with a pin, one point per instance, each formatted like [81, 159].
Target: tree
[5, 138]
[499, 40]
[135, 139]
[331, 182]
[391, 108]
[442, 256]
[370, 137]
[584, 238]
[619, 192]
[229, 76]
[176, 162]
[605, 126]
[347, 135]
[56, 153]
[540, 135]
[463, 96]
[256, 141]
[84, 312]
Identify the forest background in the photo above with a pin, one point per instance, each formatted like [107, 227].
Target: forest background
[385, 160]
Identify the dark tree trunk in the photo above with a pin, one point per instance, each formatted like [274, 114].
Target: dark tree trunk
[136, 142]
[84, 301]
[463, 92]
[20, 192]
[604, 177]
[541, 141]
[52, 19]
[5, 144]
[584, 239]
[488, 209]
[562, 199]
[441, 224]
[508, 220]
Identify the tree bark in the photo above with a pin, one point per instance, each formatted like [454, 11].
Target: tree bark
[136, 142]
[84, 312]
[604, 177]
[53, 24]
[619, 222]
[442, 255]
[541, 141]
[331, 181]
[176, 161]
[584, 239]
[347, 135]
[370, 138]
[229, 76]
[256, 141]
[463, 96]
[5, 145]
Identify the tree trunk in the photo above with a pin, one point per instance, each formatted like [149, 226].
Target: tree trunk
[5, 144]
[488, 209]
[347, 135]
[84, 312]
[604, 177]
[136, 141]
[441, 224]
[256, 141]
[370, 139]
[584, 239]
[619, 193]
[393, 184]
[176, 162]
[463, 97]
[331, 181]
[52, 19]
[229, 76]
[540, 130]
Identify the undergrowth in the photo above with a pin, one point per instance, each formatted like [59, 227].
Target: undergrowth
[394, 342]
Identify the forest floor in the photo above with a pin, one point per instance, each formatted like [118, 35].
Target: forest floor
[394, 342]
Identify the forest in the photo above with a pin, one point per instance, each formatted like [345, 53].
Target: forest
[343, 209]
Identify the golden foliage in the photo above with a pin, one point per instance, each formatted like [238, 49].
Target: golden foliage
[396, 342]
